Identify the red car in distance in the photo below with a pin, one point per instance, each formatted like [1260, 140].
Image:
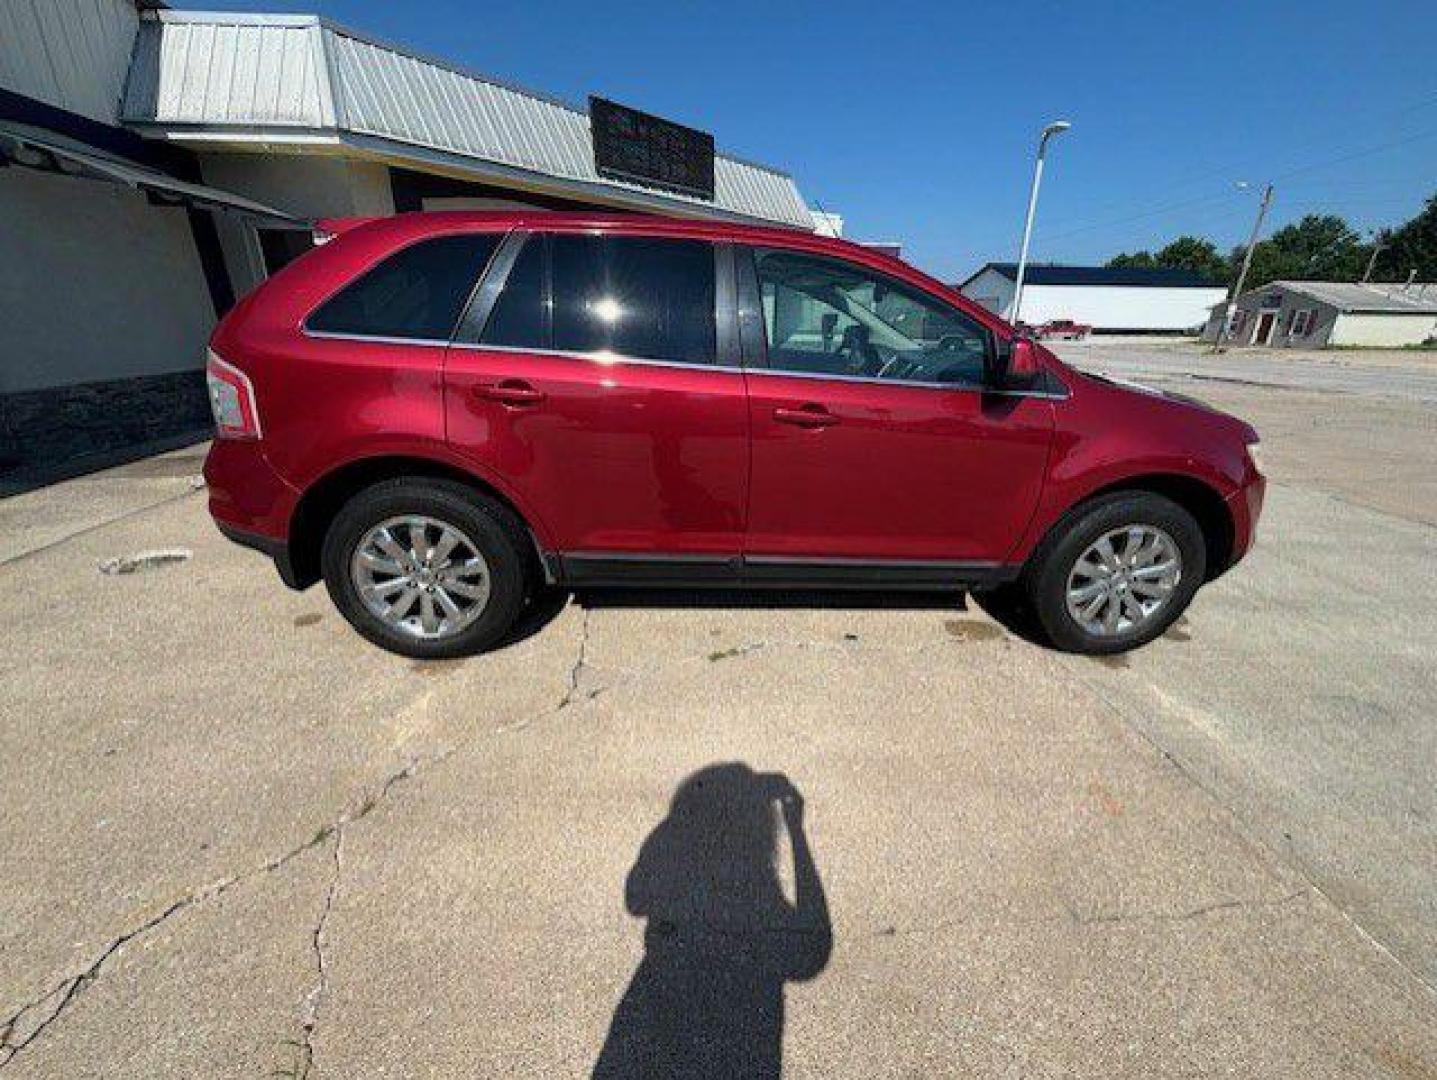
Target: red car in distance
[440, 415]
[1062, 328]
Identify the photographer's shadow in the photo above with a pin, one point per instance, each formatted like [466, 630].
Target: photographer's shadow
[722, 938]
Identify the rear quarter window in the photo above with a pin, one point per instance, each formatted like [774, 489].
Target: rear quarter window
[416, 293]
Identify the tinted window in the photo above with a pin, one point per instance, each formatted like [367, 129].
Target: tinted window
[415, 293]
[518, 316]
[829, 317]
[635, 296]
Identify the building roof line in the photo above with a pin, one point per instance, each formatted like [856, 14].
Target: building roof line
[1149, 277]
[249, 18]
[1361, 298]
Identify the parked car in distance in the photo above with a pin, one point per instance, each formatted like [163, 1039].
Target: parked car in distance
[1063, 328]
[440, 415]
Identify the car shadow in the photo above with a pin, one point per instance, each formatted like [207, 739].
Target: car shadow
[542, 609]
[722, 939]
[1010, 609]
[840, 599]
[550, 601]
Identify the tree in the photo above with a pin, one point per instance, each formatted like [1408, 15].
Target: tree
[1320, 247]
[1410, 247]
[1184, 253]
[1199, 256]
[1137, 258]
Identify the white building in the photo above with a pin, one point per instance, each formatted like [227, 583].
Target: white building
[1113, 299]
[1314, 314]
[168, 161]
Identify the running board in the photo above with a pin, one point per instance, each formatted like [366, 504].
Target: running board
[585, 570]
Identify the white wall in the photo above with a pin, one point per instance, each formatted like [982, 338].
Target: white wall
[1112, 307]
[992, 290]
[307, 186]
[1120, 307]
[95, 283]
[1380, 330]
[70, 53]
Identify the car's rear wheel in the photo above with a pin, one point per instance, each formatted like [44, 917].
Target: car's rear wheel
[427, 568]
[1116, 572]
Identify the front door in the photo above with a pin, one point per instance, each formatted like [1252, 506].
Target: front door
[873, 438]
[592, 389]
[1265, 323]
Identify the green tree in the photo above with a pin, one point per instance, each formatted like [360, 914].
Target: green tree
[1184, 253]
[1197, 255]
[1410, 247]
[1137, 258]
[1320, 247]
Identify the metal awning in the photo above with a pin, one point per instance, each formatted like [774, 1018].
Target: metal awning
[27, 147]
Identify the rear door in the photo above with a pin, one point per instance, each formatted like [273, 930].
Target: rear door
[874, 439]
[587, 375]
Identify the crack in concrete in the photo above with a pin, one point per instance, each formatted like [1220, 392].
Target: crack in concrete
[314, 1000]
[68, 990]
[577, 670]
[1241, 827]
[1075, 918]
[1119, 917]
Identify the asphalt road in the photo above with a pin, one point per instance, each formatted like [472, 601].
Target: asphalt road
[866, 841]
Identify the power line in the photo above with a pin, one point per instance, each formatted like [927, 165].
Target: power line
[1287, 174]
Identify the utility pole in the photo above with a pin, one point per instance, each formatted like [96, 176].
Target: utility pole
[1055, 128]
[1246, 265]
[1377, 249]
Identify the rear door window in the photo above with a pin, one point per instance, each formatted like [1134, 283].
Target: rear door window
[643, 297]
[417, 293]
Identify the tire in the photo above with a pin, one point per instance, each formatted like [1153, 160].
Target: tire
[484, 526]
[1053, 570]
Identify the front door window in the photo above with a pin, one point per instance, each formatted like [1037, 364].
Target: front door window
[823, 316]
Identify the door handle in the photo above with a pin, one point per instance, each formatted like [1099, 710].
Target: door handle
[510, 392]
[806, 416]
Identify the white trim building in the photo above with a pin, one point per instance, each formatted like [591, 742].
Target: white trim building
[168, 161]
[1144, 300]
[1315, 314]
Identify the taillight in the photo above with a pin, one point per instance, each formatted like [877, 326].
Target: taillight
[231, 399]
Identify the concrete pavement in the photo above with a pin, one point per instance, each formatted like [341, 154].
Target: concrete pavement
[239, 840]
[1409, 374]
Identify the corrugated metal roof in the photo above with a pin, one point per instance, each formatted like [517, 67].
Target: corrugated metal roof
[274, 71]
[1395, 299]
[227, 71]
[70, 53]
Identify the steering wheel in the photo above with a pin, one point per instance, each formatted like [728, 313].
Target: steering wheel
[860, 357]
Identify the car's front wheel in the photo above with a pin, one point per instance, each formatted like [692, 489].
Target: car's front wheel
[427, 568]
[1116, 572]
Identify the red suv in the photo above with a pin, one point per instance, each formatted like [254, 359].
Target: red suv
[441, 414]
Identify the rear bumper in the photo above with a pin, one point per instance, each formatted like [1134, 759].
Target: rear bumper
[251, 503]
[278, 550]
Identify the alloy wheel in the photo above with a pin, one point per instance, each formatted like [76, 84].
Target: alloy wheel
[1124, 580]
[421, 576]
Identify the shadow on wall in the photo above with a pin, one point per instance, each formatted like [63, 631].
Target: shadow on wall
[722, 938]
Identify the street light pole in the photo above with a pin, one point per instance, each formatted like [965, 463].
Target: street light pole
[1242, 274]
[1056, 127]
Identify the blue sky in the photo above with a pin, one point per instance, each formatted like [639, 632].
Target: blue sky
[917, 121]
